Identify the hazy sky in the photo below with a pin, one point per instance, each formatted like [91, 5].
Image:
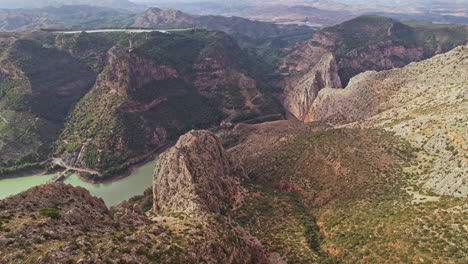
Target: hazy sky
[115, 3]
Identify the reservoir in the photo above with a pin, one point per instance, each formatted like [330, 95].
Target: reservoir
[112, 193]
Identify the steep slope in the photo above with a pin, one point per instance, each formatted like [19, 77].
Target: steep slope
[347, 195]
[424, 102]
[39, 85]
[68, 225]
[200, 171]
[361, 44]
[161, 87]
[300, 92]
[284, 192]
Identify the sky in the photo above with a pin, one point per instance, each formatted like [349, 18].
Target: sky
[36, 3]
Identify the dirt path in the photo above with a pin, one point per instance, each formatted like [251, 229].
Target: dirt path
[4, 119]
[60, 163]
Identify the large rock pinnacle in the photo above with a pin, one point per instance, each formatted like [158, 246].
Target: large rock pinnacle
[195, 175]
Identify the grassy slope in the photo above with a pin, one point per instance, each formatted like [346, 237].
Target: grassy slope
[351, 185]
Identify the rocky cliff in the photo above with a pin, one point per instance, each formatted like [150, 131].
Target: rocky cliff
[301, 90]
[362, 44]
[195, 175]
[424, 102]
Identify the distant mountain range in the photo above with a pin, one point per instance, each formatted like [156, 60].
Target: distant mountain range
[319, 11]
[125, 4]
[18, 15]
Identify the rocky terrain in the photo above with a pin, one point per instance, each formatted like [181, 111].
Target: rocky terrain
[423, 102]
[201, 172]
[189, 222]
[362, 44]
[282, 192]
[39, 85]
[144, 91]
[371, 173]
[164, 86]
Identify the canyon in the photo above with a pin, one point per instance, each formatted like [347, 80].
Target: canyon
[347, 146]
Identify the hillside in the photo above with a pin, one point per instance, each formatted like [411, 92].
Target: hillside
[74, 16]
[282, 192]
[383, 165]
[39, 86]
[361, 44]
[271, 41]
[423, 102]
[118, 103]
[266, 38]
[68, 225]
[165, 85]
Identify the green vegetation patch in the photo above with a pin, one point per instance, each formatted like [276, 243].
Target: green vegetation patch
[51, 212]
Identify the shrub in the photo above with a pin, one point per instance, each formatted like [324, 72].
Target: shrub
[50, 212]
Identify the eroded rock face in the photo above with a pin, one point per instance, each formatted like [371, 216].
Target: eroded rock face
[301, 90]
[384, 55]
[367, 43]
[195, 175]
[424, 102]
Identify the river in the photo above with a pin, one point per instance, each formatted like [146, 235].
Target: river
[112, 193]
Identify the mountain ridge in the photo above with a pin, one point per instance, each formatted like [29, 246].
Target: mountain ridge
[385, 44]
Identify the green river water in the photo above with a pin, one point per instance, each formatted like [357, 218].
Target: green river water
[112, 193]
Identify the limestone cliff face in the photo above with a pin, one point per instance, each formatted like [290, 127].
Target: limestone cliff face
[362, 44]
[197, 178]
[195, 175]
[384, 55]
[424, 102]
[301, 90]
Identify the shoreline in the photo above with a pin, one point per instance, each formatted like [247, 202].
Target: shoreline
[150, 156]
[25, 173]
[41, 172]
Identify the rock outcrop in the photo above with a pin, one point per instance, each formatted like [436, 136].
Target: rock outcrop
[424, 102]
[195, 175]
[361, 44]
[301, 90]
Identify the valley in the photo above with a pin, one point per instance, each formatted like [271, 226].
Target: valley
[158, 136]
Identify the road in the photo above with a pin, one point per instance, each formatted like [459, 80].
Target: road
[59, 162]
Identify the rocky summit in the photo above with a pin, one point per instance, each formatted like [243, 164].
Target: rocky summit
[196, 175]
